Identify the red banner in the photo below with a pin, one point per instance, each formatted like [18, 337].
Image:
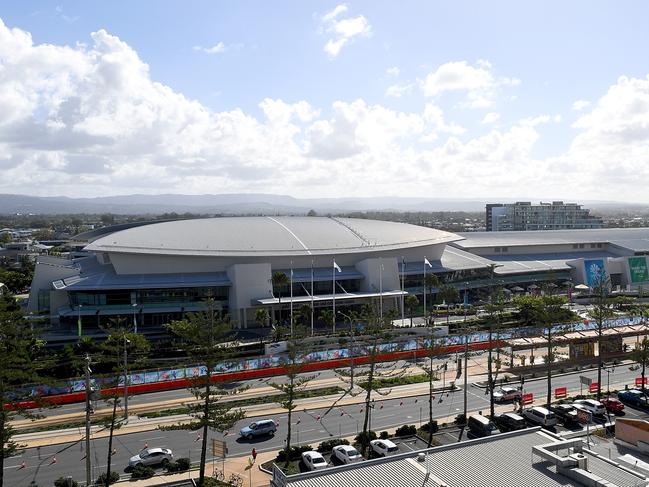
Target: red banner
[528, 398]
[593, 387]
[560, 392]
[638, 381]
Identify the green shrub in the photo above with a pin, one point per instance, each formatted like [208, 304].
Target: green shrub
[101, 480]
[294, 454]
[65, 482]
[327, 445]
[180, 465]
[406, 430]
[460, 419]
[142, 472]
[430, 426]
[384, 435]
[364, 439]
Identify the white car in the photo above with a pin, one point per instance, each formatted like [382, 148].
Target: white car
[152, 456]
[313, 460]
[591, 405]
[507, 393]
[384, 447]
[346, 454]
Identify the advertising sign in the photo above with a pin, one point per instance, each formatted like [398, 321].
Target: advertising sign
[638, 269]
[560, 392]
[594, 270]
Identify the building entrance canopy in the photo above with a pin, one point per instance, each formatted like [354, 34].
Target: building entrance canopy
[330, 297]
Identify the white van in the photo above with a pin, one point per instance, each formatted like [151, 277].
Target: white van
[540, 415]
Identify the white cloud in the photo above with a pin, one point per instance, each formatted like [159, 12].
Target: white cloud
[398, 90]
[579, 105]
[342, 30]
[491, 117]
[89, 120]
[393, 71]
[218, 48]
[477, 81]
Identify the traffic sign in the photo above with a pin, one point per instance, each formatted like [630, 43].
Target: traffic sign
[219, 448]
[585, 380]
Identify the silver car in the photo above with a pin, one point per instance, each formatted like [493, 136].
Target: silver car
[152, 456]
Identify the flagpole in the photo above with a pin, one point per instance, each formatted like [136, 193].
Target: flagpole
[425, 320]
[403, 286]
[291, 299]
[312, 297]
[333, 273]
[381, 288]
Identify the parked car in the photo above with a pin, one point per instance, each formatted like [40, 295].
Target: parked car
[509, 422]
[612, 405]
[540, 415]
[346, 454]
[480, 425]
[566, 413]
[594, 407]
[152, 456]
[633, 397]
[384, 448]
[259, 428]
[507, 393]
[313, 460]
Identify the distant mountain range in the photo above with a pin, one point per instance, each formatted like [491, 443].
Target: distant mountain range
[246, 203]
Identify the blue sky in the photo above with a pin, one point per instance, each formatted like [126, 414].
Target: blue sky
[448, 99]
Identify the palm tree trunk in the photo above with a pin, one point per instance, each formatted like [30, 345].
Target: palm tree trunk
[206, 412]
[549, 367]
[110, 442]
[368, 395]
[289, 416]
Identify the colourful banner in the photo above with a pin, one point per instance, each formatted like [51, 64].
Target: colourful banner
[638, 269]
[594, 271]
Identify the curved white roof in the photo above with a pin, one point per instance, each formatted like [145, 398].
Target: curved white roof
[269, 236]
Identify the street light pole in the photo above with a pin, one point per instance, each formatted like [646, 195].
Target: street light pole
[88, 467]
[126, 342]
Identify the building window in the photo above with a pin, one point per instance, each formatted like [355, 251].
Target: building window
[581, 246]
[503, 249]
[497, 250]
[575, 246]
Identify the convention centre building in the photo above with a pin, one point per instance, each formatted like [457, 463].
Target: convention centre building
[153, 272]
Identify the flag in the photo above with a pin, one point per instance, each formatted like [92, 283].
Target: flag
[337, 267]
[79, 325]
[427, 262]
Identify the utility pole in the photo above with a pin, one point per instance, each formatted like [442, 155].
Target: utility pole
[126, 342]
[88, 476]
[466, 368]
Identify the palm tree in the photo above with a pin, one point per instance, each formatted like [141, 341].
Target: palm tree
[280, 281]
[411, 303]
[448, 294]
[327, 316]
[262, 317]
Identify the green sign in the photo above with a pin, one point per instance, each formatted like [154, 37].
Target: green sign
[638, 269]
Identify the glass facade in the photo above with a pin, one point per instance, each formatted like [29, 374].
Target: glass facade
[319, 288]
[147, 296]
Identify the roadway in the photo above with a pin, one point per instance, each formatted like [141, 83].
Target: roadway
[45, 464]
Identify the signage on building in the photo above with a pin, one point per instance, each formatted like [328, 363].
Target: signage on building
[638, 269]
[594, 271]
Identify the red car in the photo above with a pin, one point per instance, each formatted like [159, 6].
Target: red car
[612, 405]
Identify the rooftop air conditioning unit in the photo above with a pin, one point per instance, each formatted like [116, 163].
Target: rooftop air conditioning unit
[421, 457]
[581, 459]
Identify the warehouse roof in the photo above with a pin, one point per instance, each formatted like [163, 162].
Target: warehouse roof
[633, 239]
[499, 460]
